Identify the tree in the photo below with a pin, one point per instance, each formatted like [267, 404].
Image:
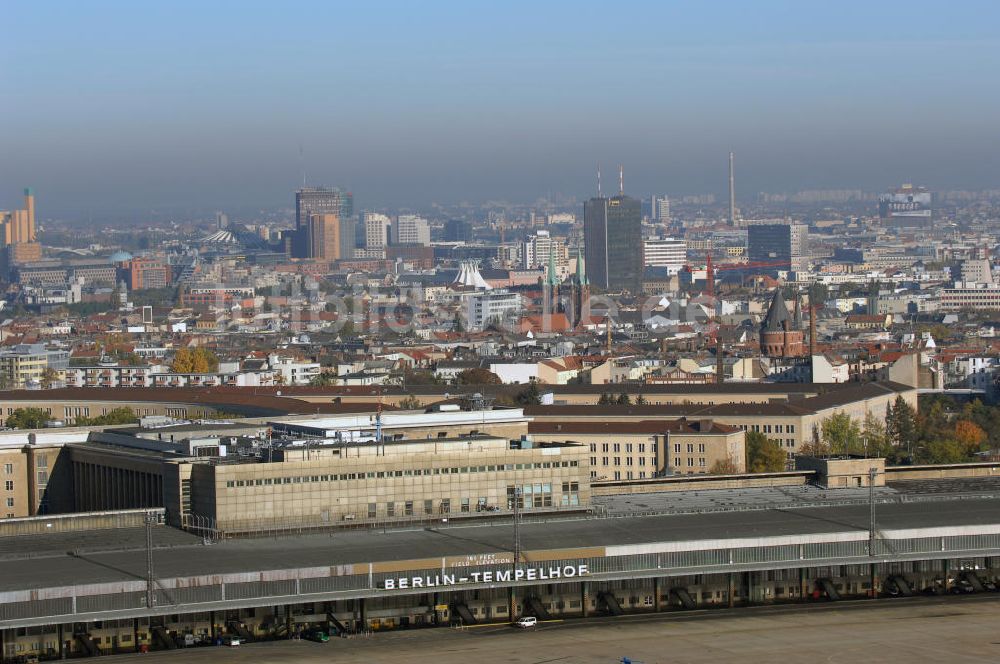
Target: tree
[477, 376]
[875, 439]
[410, 402]
[324, 379]
[624, 399]
[724, 467]
[49, 377]
[901, 426]
[183, 361]
[641, 401]
[941, 451]
[199, 360]
[970, 436]
[763, 455]
[123, 415]
[605, 400]
[841, 434]
[28, 418]
[529, 396]
[419, 377]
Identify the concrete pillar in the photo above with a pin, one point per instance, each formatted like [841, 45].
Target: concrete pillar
[731, 591]
[945, 567]
[62, 642]
[211, 630]
[363, 613]
[803, 583]
[584, 600]
[511, 604]
[437, 614]
[656, 594]
[288, 621]
[748, 584]
[875, 589]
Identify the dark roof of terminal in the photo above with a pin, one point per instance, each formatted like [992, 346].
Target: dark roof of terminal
[679, 426]
[365, 546]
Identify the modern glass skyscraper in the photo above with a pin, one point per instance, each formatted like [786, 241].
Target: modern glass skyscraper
[612, 234]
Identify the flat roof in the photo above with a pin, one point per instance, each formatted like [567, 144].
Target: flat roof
[321, 550]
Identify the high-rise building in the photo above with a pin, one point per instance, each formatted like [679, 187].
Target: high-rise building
[732, 191]
[669, 252]
[221, 220]
[612, 230]
[146, 272]
[457, 230]
[541, 250]
[411, 229]
[322, 200]
[906, 206]
[324, 233]
[777, 246]
[660, 208]
[376, 230]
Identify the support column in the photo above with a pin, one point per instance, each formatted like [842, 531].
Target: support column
[363, 613]
[945, 568]
[211, 630]
[511, 604]
[731, 591]
[803, 584]
[748, 583]
[62, 642]
[875, 589]
[288, 621]
[584, 600]
[437, 614]
[656, 594]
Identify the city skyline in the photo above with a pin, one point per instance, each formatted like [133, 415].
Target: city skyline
[450, 103]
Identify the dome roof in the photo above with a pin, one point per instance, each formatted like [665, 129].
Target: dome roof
[120, 257]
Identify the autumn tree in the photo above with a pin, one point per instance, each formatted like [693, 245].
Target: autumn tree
[477, 376]
[970, 436]
[199, 360]
[901, 425]
[724, 467]
[763, 454]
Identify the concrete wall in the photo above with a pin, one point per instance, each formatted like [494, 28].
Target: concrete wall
[701, 482]
[945, 471]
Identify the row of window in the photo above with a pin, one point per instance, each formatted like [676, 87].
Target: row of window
[617, 447]
[690, 462]
[690, 448]
[409, 472]
[641, 461]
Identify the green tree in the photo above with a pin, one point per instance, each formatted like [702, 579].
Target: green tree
[841, 433]
[724, 467]
[324, 379]
[875, 439]
[901, 426]
[763, 454]
[605, 400]
[941, 451]
[529, 396]
[28, 418]
[641, 401]
[624, 399]
[122, 415]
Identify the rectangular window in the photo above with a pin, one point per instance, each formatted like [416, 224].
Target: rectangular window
[8, 468]
[10, 502]
[465, 505]
[408, 508]
[372, 510]
[42, 462]
[390, 509]
[618, 447]
[677, 448]
[9, 485]
[690, 448]
[446, 506]
[701, 447]
[428, 507]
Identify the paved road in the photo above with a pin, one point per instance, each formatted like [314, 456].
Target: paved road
[953, 630]
[360, 547]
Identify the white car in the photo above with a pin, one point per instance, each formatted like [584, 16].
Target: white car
[231, 641]
[526, 622]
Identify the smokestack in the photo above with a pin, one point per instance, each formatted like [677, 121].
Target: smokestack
[732, 192]
[29, 206]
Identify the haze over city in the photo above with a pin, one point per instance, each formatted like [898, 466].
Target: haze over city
[120, 107]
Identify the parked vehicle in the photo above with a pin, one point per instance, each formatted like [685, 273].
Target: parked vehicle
[231, 641]
[527, 622]
[315, 634]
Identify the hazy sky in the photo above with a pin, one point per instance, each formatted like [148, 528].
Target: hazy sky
[121, 106]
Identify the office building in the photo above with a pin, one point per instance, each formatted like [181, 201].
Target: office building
[411, 229]
[540, 250]
[25, 364]
[221, 221]
[660, 208]
[670, 253]
[613, 242]
[906, 206]
[324, 237]
[777, 246]
[492, 307]
[376, 230]
[322, 200]
[457, 230]
[146, 272]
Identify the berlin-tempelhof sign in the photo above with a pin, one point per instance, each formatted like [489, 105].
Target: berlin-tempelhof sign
[488, 576]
